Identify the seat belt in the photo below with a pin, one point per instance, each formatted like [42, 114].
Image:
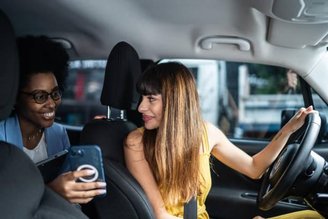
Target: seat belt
[190, 209]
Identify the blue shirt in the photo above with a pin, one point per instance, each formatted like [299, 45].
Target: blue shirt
[55, 136]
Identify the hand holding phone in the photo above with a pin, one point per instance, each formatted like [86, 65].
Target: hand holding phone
[83, 157]
[79, 158]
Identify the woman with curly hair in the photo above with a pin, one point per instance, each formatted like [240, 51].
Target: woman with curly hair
[32, 126]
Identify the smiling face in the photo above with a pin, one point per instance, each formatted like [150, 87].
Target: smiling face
[36, 115]
[151, 108]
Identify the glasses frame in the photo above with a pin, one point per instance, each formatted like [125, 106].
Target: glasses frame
[51, 94]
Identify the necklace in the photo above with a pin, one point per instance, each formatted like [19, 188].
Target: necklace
[34, 136]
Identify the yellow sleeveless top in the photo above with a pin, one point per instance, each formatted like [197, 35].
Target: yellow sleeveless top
[206, 183]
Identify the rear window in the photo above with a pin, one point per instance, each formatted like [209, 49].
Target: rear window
[81, 98]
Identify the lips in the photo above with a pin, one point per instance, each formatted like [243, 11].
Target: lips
[146, 118]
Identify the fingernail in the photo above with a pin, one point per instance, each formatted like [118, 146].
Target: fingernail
[102, 184]
[91, 172]
[102, 191]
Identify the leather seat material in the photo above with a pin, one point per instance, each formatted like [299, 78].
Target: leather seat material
[109, 135]
[125, 198]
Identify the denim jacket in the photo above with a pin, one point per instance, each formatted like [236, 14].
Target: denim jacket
[55, 136]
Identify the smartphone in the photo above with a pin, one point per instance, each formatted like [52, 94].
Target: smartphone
[82, 157]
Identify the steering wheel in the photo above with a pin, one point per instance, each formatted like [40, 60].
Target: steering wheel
[282, 174]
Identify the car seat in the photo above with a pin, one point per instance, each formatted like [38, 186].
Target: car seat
[125, 197]
[22, 191]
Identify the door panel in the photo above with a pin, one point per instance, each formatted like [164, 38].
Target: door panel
[233, 195]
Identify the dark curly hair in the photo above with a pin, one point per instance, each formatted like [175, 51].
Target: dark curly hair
[41, 54]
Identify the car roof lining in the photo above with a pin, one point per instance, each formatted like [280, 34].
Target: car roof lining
[147, 25]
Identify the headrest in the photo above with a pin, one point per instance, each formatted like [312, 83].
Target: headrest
[9, 67]
[146, 63]
[122, 72]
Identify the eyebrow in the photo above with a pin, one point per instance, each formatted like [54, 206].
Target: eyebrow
[38, 90]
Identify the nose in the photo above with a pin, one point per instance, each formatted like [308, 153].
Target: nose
[50, 102]
[142, 105]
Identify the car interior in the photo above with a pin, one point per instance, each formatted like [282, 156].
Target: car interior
[240, 52]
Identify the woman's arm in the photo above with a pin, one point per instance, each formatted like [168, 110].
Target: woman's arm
[254, 166]
[139, 168]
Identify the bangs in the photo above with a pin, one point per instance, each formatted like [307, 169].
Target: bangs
[149, 84]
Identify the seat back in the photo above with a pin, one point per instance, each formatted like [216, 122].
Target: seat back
[125, 198]
[22, 191]
[9, 66]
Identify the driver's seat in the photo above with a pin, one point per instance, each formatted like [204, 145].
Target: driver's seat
[125, 198]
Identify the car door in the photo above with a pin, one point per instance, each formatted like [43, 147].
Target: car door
[261, 102]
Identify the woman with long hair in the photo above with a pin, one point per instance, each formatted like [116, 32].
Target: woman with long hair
[170, 155]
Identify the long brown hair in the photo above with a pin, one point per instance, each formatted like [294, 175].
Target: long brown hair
[172, 150]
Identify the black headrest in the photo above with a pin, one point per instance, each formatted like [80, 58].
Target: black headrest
[146, 63]
[122, 71]
[9, 67]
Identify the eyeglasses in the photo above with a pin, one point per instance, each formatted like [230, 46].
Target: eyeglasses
[41, 96]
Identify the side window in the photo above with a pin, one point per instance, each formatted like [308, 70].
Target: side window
[244, 100]
[263, 92]
[321, 106]
[81, 98]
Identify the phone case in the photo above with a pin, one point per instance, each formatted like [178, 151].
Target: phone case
[86, 157]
